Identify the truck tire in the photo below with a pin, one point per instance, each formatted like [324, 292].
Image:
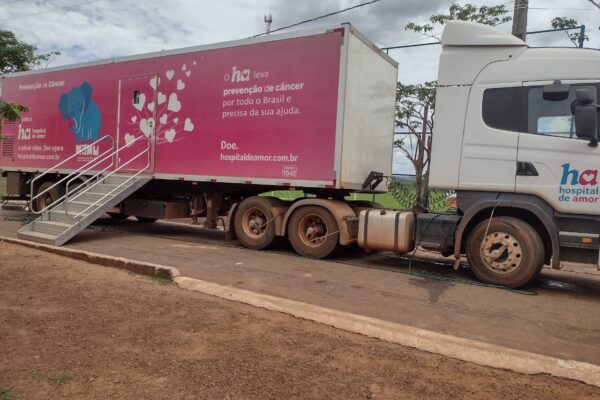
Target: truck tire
[253, 223]
[47, 198]
[313, 232]
[511, 254]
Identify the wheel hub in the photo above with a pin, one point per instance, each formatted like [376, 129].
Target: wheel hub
[255, 222]
[501, 252]
[314, 230]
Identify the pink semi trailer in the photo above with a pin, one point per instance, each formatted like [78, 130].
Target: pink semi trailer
[203, 131]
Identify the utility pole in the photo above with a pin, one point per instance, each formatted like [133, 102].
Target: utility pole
[268, 21]
[519, 27]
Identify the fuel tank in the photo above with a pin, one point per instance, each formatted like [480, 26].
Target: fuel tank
[386, 230]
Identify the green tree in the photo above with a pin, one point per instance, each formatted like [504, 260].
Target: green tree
[10, 112]
[486, 15]
[569, 23]
[415, 104]
[15, 56]
[415, 107]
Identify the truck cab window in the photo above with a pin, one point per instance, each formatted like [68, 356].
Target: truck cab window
[552, 118]
[502, 108]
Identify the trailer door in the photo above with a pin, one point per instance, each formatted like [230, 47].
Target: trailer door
[137, 121]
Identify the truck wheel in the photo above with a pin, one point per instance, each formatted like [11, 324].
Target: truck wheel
[253, 223]
[49, 197]
[511, 253]
[313, 232]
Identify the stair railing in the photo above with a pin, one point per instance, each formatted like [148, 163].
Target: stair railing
[47, 207]
[99, 174]
[99, 177]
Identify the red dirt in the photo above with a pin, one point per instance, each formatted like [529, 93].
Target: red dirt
[117, 335]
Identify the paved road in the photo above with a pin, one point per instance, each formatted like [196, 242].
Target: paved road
[559, 315]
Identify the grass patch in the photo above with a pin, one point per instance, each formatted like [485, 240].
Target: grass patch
[7, 394]
[403, 199]
[285, 194]
[385, 199]
[161, 281]
[61, 378]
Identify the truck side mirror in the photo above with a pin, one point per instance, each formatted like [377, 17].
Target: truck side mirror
[556, 92]
[586, 116]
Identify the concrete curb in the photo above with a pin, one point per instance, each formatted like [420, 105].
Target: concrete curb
[451, 346]
[139, 267]
[469, 350]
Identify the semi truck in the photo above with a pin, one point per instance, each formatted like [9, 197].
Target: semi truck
[207, 131]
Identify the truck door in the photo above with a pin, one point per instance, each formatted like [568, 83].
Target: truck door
[489, 148]
[552, 163]
[137, 122]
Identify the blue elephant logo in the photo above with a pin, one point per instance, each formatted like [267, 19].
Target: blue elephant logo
[82, 112]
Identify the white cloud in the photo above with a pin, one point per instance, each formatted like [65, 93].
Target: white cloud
[112, 28]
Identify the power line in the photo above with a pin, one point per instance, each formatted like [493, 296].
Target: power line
[404, 46]
[319, 17]
[50, 10]
[386, 49]
[555, 8]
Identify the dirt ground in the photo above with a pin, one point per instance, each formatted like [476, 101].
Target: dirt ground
[70, 329]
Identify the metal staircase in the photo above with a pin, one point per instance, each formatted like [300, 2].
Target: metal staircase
[90, 191]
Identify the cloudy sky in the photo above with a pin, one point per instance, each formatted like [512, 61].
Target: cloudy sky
[89, 30]
[85, 30]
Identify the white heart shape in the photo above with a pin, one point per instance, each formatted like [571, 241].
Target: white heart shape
[141, 102]
[129, 138]
[170, 73]
[188, 125]
[151, 107]
[163, 119]
[174, 104]
[154, 82]
[146, 126]
[176, 120]
[188, 73]
[170, 135]
[180, 85]
[161, 98]
[183, 67]
[134, 118]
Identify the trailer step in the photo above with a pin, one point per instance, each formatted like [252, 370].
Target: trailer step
[65, 220]
[50, 227]
[39, 237]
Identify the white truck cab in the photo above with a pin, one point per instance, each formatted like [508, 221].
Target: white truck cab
[516, 136]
